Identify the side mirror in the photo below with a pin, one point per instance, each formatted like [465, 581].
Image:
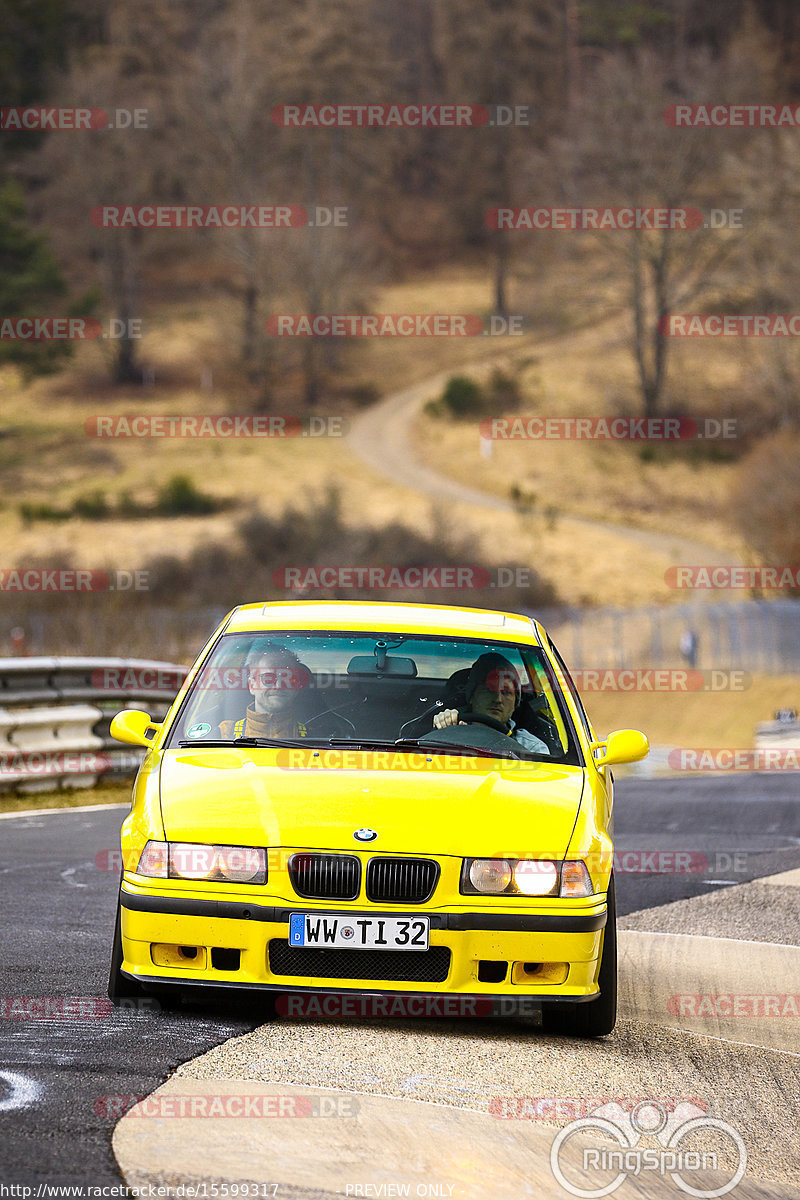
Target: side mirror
[622, 746]
[131, 725]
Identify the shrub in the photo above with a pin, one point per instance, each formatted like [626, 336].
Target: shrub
[92, 506]
[43, 512]
[179, 497]
[462, 397]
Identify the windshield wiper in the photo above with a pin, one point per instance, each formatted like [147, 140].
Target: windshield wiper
[254, 742]
[361, 744]
[451, 748]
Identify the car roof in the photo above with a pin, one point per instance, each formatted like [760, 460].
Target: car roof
[372, 616]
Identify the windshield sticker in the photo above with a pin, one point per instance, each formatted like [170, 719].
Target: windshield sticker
[198, 731]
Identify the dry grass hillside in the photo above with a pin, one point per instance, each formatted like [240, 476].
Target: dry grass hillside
[47, 457]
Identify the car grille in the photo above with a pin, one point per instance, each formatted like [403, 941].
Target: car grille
[325, 876]
[401, 880]
[425, 966]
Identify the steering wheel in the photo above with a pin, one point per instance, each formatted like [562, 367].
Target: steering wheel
[470, 718]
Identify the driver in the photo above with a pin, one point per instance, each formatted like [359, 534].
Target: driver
[493, 690]
[276, 679]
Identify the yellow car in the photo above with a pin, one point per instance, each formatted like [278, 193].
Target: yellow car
[381, 800]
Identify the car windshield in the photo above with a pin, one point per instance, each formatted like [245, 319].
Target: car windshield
[358, 689]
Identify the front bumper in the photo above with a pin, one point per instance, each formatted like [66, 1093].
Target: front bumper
[547, 952]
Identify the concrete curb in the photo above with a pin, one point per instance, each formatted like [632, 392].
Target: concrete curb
[741, 991]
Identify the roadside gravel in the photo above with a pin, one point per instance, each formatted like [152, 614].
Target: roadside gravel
[757, 912]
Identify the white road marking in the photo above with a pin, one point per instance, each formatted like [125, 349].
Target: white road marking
[70, 871]
[707, 936]
[48, 812]
[729, 1041]
[24, 1091]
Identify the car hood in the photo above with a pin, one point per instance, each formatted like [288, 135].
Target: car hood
[484, 807]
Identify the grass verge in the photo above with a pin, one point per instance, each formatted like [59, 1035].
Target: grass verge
[103, 793]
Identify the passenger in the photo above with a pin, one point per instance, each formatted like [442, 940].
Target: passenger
[493, 690]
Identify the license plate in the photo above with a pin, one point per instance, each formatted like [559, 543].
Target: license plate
[339, 931]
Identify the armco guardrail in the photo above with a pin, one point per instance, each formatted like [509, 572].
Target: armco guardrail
[55, 715]
[784, 734]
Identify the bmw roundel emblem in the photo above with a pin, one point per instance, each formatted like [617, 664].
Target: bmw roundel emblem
[365, 835]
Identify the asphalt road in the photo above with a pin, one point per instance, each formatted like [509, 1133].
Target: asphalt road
[56, 917]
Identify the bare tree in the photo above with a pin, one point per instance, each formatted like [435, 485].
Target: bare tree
[623, 152]
[249, 60]
[136, 69]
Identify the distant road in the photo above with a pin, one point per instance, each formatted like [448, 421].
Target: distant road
[380, 436]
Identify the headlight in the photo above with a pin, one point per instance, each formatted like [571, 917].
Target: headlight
[509, 876]
[241, 864]
[218, 864]
[525, 877]
[192, 862]
[535, 878]
[490, 874]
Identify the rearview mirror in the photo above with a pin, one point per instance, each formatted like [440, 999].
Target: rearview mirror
[131, 725]
[622, 746]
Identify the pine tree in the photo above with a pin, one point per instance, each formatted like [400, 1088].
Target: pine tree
[30, 280]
